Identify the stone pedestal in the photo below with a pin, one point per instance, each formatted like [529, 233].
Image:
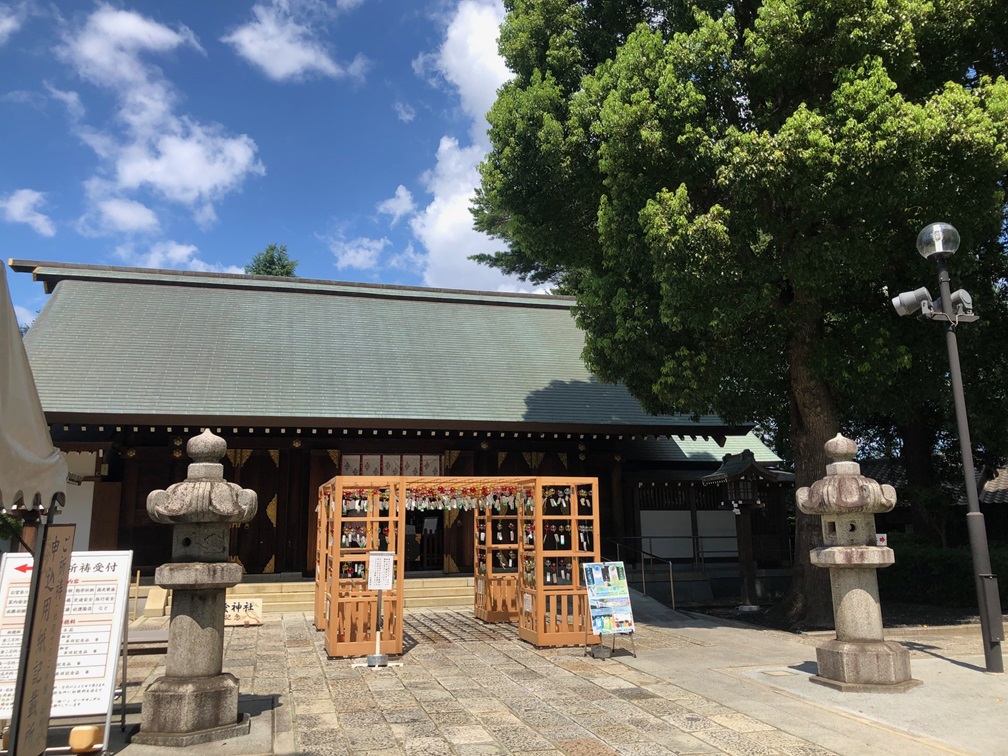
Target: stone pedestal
[196, 702]
[859, 659]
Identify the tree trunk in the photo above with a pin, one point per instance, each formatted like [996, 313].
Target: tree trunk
[916, 458]
[808, 602]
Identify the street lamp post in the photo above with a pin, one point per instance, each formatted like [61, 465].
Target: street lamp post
[936, 242]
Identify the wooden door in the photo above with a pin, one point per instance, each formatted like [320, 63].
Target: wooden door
[254, 544]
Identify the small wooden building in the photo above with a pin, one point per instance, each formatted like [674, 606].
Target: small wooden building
[307, 379]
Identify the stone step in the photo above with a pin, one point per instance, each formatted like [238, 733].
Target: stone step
[413, 602]
[299, 595]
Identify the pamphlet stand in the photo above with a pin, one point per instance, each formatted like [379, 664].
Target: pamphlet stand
[497, 538]
[559, 527]
[608, 605]
[602, 651]
[363, 514]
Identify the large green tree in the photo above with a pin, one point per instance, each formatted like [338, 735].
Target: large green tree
[272, 261]
[728, 187]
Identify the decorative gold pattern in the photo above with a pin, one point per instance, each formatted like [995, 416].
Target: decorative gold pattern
[238, 457]
[534, 459]
[563, 458]
[270, 565]
[501, 456]
[334, 455]
[275, 456]
[450, 457]
[271, 510]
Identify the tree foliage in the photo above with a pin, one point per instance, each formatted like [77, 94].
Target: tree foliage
[729, 187]
[272, 261]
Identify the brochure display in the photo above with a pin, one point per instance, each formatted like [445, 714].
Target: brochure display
[608, 599]
[497, 538]
[359, 515]
[559, 527]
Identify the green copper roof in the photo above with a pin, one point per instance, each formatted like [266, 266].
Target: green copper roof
[175, 345]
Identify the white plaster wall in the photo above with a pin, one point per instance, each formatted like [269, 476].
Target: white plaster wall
[717, 532]
[79, 499]
[667, 534]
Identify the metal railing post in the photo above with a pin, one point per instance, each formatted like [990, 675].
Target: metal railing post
[671, 584]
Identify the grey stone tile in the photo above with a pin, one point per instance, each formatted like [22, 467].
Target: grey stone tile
[428, 746]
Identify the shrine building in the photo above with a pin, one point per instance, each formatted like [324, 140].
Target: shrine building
[307, 379]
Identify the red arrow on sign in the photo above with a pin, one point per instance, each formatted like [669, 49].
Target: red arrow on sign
[24, 568]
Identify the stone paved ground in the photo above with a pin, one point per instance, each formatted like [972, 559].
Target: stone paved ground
[467, 688]
[696, 687]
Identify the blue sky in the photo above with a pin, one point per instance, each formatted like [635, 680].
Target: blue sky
[191, 134]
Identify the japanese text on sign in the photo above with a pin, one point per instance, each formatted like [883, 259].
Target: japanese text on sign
[94, 611]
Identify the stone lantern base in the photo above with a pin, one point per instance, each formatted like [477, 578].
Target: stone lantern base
[187, 711]
[864, 666]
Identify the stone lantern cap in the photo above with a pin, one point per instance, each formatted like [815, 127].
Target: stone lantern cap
[204, 496]
[845, 490]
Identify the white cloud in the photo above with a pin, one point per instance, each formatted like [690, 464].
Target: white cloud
[174, 156]
[361, 253]
[189, 167]
[468, 59]
[445, 226]
[22, 207]
[125, 215]
[399, 205]
[10, 22]
[408, 260]
[72, 101]
[24, 315]
[173, 255]
[282, 42]
[404, 112]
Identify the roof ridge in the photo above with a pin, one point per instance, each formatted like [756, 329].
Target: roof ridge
[51, 273]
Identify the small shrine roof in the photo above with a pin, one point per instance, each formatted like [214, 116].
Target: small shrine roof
[736, 466]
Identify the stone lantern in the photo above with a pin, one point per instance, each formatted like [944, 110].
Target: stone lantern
[859, 659]
[196, 702]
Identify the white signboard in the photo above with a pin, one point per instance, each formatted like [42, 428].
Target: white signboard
[245, 612]
[380, 569]
[93, 617]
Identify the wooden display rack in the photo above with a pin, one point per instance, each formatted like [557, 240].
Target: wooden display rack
[497, 539]
[559, 533]
[323, 513]
[361, 514]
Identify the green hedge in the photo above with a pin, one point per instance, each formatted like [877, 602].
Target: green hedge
[927, 574]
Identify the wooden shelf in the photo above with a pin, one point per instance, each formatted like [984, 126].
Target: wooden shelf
[560, 534]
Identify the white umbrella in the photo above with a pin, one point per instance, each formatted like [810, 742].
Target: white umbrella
[32, 471]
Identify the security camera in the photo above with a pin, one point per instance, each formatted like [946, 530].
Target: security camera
[962, 302]
[911, 302]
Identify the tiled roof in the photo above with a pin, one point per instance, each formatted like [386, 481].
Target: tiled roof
[699, 448]
[117, 342]
[993, 490]
[735, 466]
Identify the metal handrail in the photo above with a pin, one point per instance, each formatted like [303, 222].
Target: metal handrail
[704, 546]
[652, 558]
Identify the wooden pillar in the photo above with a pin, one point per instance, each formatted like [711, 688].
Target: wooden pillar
[747, 567]
[694, 524]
